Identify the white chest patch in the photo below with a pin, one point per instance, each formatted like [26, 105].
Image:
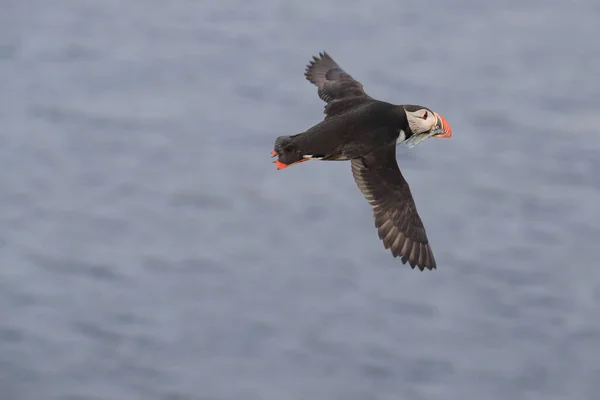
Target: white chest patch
[401, 137]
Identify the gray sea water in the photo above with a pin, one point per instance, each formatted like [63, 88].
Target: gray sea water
[150, 250]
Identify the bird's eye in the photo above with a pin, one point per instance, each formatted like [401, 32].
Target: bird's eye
[425, 115]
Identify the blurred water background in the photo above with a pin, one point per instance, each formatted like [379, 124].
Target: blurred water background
[150, 250]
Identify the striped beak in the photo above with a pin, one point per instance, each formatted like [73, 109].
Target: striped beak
[443, 127]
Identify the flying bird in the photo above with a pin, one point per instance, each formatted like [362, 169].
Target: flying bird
[366, 131]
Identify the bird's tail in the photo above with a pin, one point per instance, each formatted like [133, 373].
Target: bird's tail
[287, 153]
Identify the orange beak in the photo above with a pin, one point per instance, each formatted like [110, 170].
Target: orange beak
[444, 126]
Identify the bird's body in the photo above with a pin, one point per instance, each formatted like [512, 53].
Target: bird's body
[348, 135]
[366, 131]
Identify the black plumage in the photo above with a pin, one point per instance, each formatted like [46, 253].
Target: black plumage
[396, 218]
[366, 131]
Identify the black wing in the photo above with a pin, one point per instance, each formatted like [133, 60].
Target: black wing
[396, 218]
[336, 87]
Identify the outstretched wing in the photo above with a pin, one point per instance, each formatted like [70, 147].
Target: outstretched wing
[336, 87]
[396, 218]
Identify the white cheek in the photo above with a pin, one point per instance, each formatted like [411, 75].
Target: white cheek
[401, 136]
[416, 125]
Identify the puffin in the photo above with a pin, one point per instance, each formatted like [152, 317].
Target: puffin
[366, 131]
